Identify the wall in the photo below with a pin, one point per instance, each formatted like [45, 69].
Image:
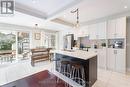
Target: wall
[35, 43]
[128, 45]
[31, 30]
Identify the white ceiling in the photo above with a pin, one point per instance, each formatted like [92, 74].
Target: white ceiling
[43, 8]
[95, 9]
[30, 21]
[30, 13]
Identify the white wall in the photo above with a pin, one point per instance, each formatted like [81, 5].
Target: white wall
[128, 45]
[35, 43]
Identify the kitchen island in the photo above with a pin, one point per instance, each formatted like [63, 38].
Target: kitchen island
[87, 59]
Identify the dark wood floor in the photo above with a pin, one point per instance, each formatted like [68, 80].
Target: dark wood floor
[41, 79]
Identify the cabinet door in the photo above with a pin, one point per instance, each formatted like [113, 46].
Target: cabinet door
[102, 30]
[82, 32]
[120, 61]
[102, 58]
[85, 32]
[111, 29]
[111, 59]
[121, 27]
[93, 31]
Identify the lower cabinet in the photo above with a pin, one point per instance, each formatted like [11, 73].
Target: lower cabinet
[102, 58]
[110, 59]
[116, 60]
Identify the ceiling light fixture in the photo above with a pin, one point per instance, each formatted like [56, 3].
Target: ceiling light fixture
[125, 6]
[34, 1]
[64, 16]
[77, 17]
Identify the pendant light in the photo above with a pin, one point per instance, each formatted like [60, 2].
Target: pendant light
[77, 17]
[37, 33]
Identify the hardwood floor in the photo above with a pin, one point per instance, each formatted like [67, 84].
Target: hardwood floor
[41, 79]
[12, 72]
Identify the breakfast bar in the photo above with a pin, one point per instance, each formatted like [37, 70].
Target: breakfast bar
[88, 60]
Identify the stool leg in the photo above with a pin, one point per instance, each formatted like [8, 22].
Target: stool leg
[72, 73]
[83, 77]
[68, 71]
[79, 81]
[78, 75]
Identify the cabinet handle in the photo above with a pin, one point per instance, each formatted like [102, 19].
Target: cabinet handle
[115, 34]
[115, 51]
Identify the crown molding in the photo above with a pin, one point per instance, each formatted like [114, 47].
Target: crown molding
[117, 15]
[27, 10]
[65, 8]
[58, 20]
[15, 27]
[35, 12]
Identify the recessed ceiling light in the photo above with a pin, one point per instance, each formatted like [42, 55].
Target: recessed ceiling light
[64, 16]
[34, 1]
[125, 6]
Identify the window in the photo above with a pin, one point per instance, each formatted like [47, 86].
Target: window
[7, 46]
[23, 44]
[50, 40]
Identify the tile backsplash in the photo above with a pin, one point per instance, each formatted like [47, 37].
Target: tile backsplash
[98, 44]
[84, 42]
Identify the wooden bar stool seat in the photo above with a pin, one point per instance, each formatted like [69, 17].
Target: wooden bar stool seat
[65, 68]
[78, 74]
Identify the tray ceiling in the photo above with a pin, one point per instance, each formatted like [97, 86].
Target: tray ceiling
[95, 9]
[59, 10]
[43, 8]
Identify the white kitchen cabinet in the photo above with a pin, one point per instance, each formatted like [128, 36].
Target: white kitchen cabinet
[116, 28]
[92, 30]
[116, 60]
[97, 31]
[120, 60]
[101, 31]
[110, 59]
[111, 29]
[121, 27]
[102, 58]
[82, 32]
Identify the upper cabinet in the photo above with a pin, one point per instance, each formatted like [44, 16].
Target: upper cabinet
[92, 31]
[101, 31]
[117, 28]
[82, 32]
[121, 27]
[111, 29]
[97, 31]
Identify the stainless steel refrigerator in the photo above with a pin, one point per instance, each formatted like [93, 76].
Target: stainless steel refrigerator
[68, 41]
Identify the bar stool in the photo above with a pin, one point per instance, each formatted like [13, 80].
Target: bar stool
[56, 60]
[65, 68]
[78, 74]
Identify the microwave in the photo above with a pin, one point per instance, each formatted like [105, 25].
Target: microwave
[118, 44]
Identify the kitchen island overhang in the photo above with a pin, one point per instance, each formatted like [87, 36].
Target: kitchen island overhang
[87, 59]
